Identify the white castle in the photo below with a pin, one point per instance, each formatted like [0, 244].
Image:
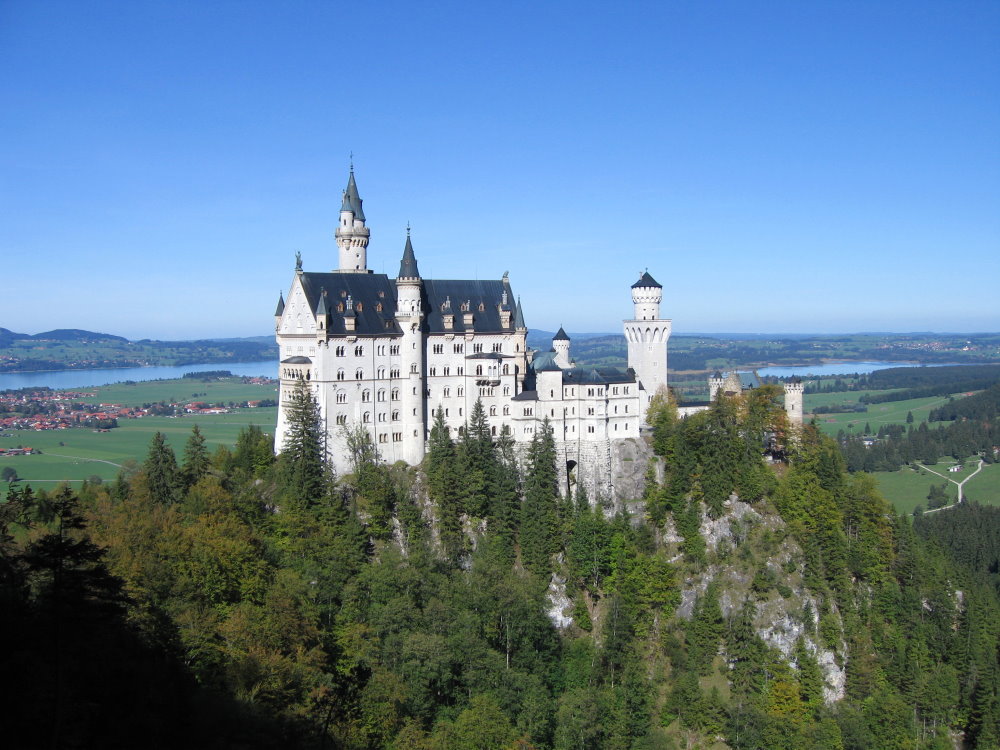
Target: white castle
[387, 354]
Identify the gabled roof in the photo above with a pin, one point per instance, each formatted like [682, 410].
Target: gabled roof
[369, 290]
[646, 281]
[457, 292]
[598, 375]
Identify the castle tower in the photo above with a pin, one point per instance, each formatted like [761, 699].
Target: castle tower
[560, 344]
[352, 234]
[647, 335]
[521, 329]
[715, 385]
[793, 400]
[409, 315]
[279, 311]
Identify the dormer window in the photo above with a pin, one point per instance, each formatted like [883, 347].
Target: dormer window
[482, 307]
[343, 293]
[340, 307]
[465, 306]
[378, 307]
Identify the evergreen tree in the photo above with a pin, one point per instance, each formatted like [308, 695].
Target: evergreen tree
[444, 483]
[160, 468]
[196, 461]
[539, 521]
[303, 460]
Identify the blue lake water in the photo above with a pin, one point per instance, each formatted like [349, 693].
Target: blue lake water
[87, 378]
[833, 368]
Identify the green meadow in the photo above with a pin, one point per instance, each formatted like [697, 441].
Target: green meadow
[80, 453]
[908, 487]
[890, 412]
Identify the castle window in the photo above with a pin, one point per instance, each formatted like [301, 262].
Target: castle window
[461, 391]
[506, 411]
[590, 411]
[616, 409]
[482, 307]
[397, 437]
[447, 392]
[446, 412]
[527, 411]
[395, 416]
[479, 369]
[460, 411]
[459, 348]
[381, 394]
[359, 374]
[343, 292]
[439, 348]
[340, 307]
[394, 372]
[590, 428]
[460, 370]
[357, 306]
[394, 350]
[615, 390]
[341, 397]
[381, 295]
[465, 306]
[378, 307]
[498, 348]
[493, 411]
[395, 394]
[359, 351]
[552, 394]
[626, 408]
[626, 392]
[340, 351]
[506, 390]
[382, 438]
[413, 367]
[477, 348]
[340, 374]
[366, 417]
[447, 371]
[433, 371]
[506, 369]
[341, 419]
[381, 417]
[366, 395]
[616, 427]
[493, 430]
[381, 373]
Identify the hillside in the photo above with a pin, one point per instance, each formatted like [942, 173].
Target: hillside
[736, 602]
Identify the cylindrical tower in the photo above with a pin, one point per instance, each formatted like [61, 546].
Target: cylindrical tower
[352, 235]
[793, 400]
[647, 337]
[409, 315]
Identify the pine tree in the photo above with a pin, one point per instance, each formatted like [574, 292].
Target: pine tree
[161, 471]
[444, 483]
[196, 461]
[304, 465]
[539, 522]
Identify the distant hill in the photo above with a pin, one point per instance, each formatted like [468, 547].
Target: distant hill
[59, 334]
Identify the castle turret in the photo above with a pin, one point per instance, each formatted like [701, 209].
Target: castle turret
[279, 311]
[409, 316]
[322, 319]
[715, 385]
[647, 336]
[560, 345]
[793, 400]
[352, 234]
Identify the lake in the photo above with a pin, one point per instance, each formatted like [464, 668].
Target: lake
[833, 368]
[58, 379]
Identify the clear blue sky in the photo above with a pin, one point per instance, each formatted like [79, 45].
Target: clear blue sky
[778, 166]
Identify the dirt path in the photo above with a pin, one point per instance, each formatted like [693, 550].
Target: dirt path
[81, 458]
[957, 484]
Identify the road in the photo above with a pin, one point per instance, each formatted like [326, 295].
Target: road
[958, 484]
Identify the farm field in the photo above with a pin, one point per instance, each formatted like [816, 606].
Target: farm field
[77, 454]
[890, 412]
[908, 487]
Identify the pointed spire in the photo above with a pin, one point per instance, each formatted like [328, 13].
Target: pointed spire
[560, 335]
[281, 305]
[352, 201]
[408, 265]
[519, 315]
[647, 281]
[321, 305]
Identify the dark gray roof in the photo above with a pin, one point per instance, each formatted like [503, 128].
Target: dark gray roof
[408, 265]
[281, 305]
[717, 375]
[749, 380]
[646, 280]
[518, 315]
[526, 396]
[367, 289]
[321, 305]
[352, 201]
[602, 375]
[299, 360]
[560, 335]
[544, 362]
[487, 293]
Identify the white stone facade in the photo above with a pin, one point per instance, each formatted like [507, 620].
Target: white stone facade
[386, 354]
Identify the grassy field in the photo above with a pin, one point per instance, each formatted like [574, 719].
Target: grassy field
[908, 487]
[181, 390]
[77, 454]
[891, 412]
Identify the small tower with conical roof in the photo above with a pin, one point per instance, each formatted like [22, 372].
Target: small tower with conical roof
[715, 384]
[410, 316]
[560, 345]
[279, 311]
[352, 235]
[647, 335]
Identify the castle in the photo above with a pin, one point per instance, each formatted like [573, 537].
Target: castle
[387, 354]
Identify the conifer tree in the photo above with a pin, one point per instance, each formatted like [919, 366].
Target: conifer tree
[539, 522]
[303, 456]
[478, 462]
[161, 471]
[196, 461]
[443, 479]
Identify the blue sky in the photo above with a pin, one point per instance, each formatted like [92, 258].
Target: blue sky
[777, 166]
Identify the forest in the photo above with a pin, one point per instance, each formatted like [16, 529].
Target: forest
[761, 597]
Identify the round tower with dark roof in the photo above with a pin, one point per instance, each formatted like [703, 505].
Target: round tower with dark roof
[560, 345]
[352, 235]
[647, 335]
[410, 316]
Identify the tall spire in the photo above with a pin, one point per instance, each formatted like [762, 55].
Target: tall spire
[351, 197]
[352, 234]
[281, 305]
[408, 265]
[519, 315]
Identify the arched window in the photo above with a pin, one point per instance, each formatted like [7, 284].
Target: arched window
[506, 369]
[479, 369]
[341, 397]
[381, 373]
[359, 374]
[340, 374]
[366, 417]
[395, 394]
[381, 394]
[493, 411]
[366, 395]
[395, 416]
